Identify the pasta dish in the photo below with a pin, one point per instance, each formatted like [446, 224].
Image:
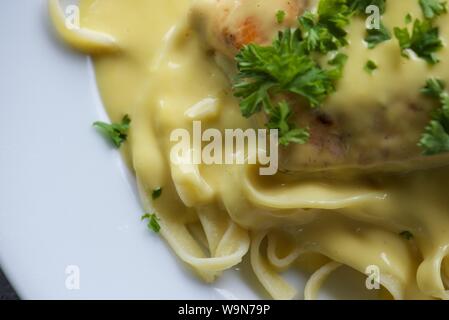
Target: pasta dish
[345, 101]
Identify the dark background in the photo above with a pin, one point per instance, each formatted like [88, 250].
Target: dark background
[6, 291]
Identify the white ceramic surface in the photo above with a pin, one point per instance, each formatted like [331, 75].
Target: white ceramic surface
[65, 196]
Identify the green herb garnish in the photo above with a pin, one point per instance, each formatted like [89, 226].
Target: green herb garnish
[288, 132]
[156, 193]
[370, 66]
[359, 6]
[153, 223]
[424, 40]
[377, 36]
[266, 74]
[338, 63]
[434, 88]
[406, 235]
[433, 8]
[282, 68]
[408, 18]
[373, 36]
[117, 133]
[435, 139]
[324, 31]
[280, 16]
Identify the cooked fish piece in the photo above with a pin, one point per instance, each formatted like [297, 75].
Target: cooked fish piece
[372, 121]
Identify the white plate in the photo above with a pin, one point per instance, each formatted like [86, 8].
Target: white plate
[65, 197]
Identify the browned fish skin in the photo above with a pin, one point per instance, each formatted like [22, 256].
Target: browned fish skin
[229, 24]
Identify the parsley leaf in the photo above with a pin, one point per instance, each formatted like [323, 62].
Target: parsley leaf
[407, 235]
[338, 62]
[359, 6]
[280, 16]
[288, 132]
[324, 31]
[156, 193]
[433, 8]
[434, 88]
[153, 223]
[295, 135]
[264, 68]
[116, 132]
[424, 40]
[408, 18]
[318, 38]
[313, 83]
[435, 139]
[376, 36]
[370, 66]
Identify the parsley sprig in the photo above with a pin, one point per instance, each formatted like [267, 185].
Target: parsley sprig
[280, 16]
[156, 193]
[375, 37]
[324, 31]
[269, 74]
[435, 139]
[433, 8]
[117, 133]
[359, 6]
[280, 69]
[370, 66]
[288, 131]
[153, 223]
[424, 40]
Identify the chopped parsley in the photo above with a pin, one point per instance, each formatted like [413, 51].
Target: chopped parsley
[117, 133]
[370, 66]
[266, 72]
[433, 8]
[408, 18]
[424, 40]
[407, 235]
[153, 223]
[156, 193]
[338, 62]
[280, 16]
[288, 132]
[435, 139]
[434, 88]
[267, 75]
[375, 37]
[359, 6]
[324, 31]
